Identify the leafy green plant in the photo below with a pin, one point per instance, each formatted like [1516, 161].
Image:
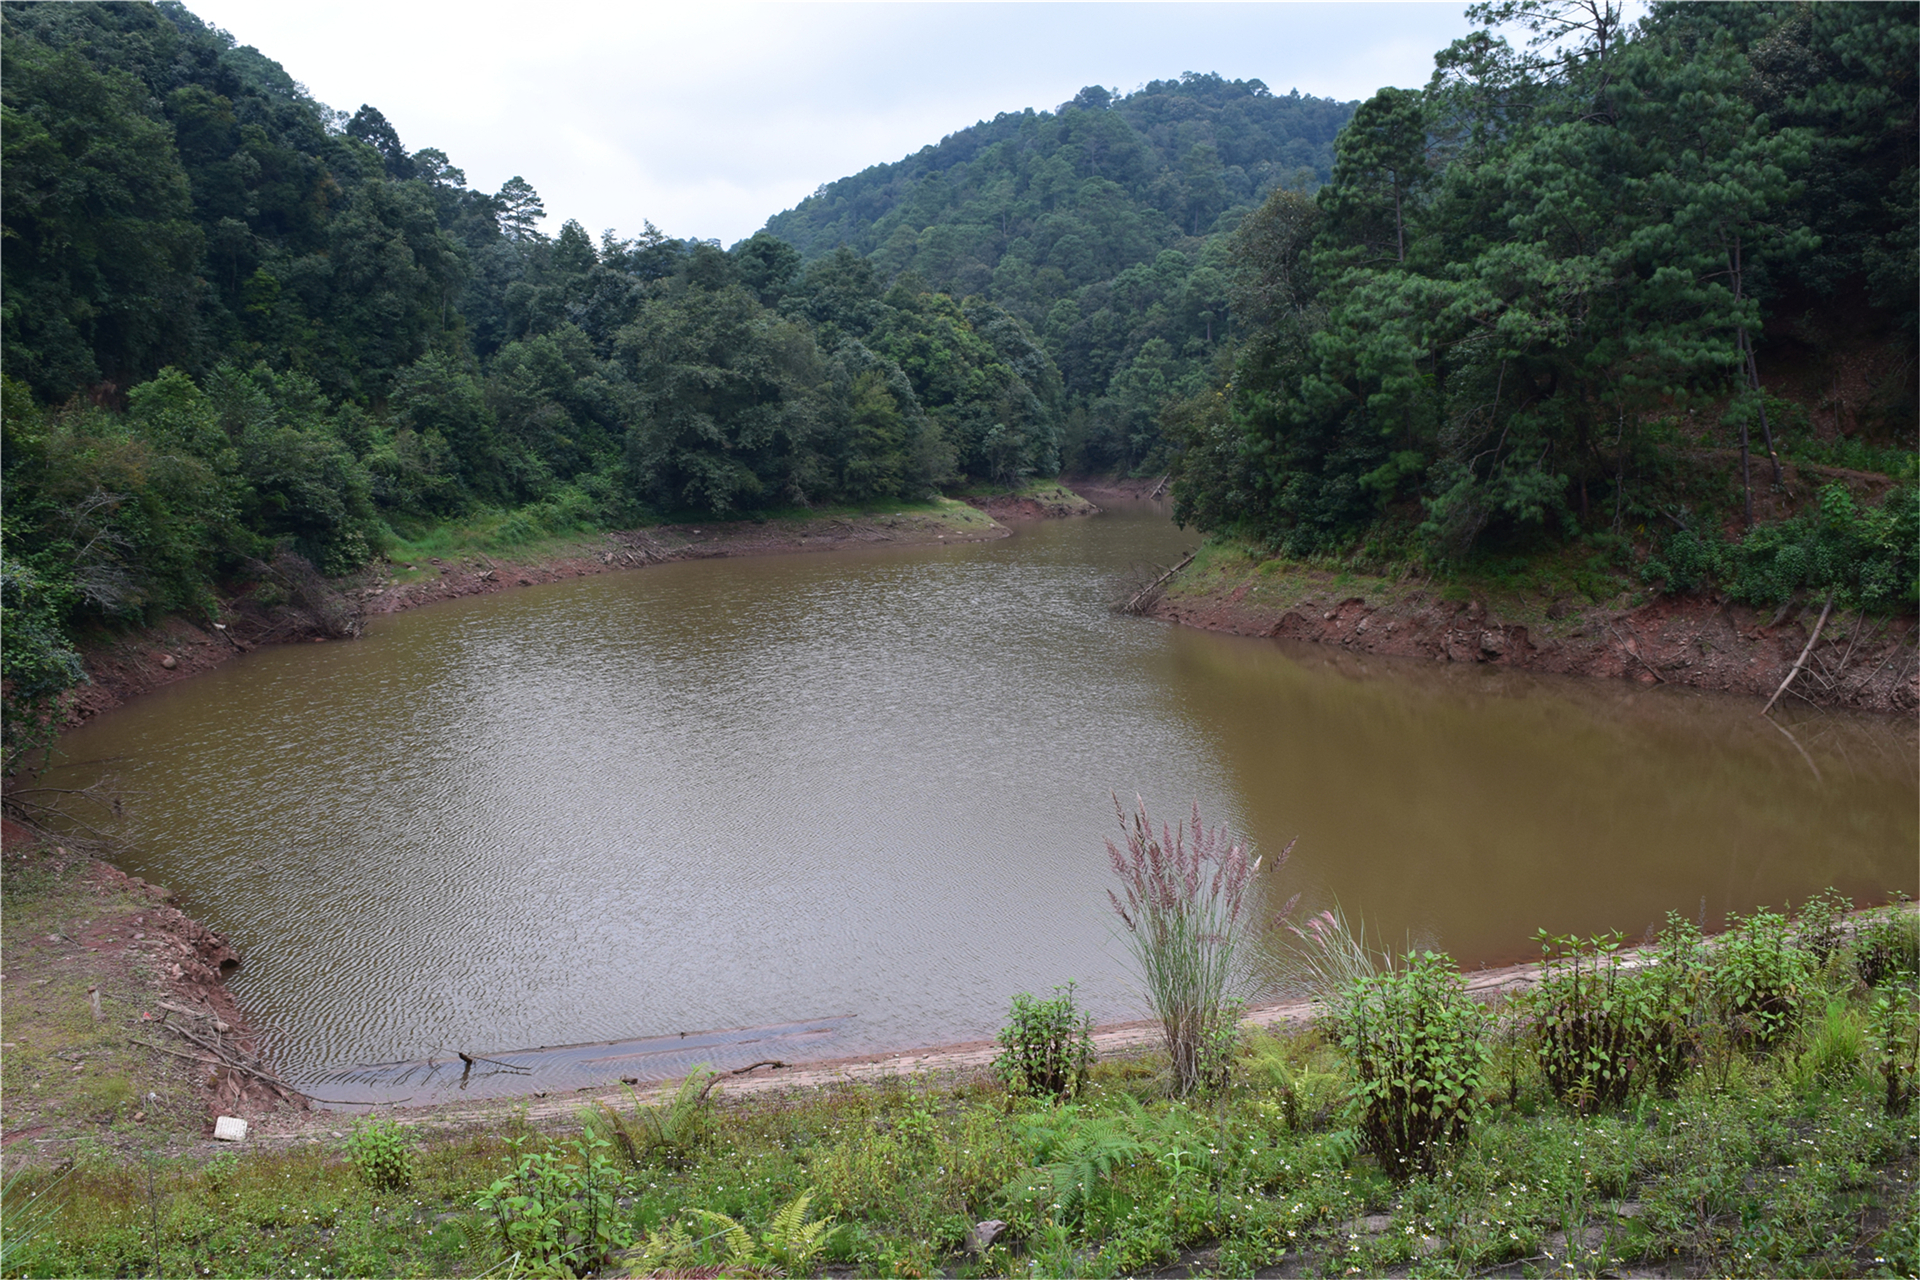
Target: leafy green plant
[1046, 1046]
[1415, 1044]
[1185, 913]
[1759, 977]
[1820, 923]
[559, 1215]
[667, 1133]
[1886, 947]
[788, 1247]
[1591, 1020]
[1074, 1155]
[1893, 1032]
[1677, 979]
[382, 1153]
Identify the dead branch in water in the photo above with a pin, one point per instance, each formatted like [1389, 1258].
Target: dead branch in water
[1811, 641]
[1142, 597]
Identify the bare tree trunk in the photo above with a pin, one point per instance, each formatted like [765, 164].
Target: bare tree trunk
[1811, 641]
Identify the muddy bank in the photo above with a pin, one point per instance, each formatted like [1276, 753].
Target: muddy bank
[1868, 664]
[1035, 502]
[118, 1023]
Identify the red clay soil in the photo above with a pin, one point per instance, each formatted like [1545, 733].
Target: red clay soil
[1865, 664]
[157, 968]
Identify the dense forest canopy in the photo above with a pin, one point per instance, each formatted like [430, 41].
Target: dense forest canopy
[1509, 307]
[1103, 226]
[1539, 296]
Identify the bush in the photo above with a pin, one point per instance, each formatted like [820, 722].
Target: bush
[1893, 1031]
[1863, 554]
[1759, 977]
[1415, 1043]
[1046, 1046]
[1593, 1023]
[560, 1216]
[1678, 980]
[1821, 922]
[1187, 924]
[382, 1152]
[1887, 947]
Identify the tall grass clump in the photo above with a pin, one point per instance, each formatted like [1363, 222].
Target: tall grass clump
[1186, 915]
[1330, 955]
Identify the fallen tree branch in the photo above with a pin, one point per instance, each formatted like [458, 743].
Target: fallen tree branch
[739, 1071]
[1134, 604]
[1811, 641]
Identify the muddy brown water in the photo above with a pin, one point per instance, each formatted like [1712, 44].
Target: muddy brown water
[858, 800]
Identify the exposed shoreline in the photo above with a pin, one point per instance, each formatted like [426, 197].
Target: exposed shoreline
[1862, 664]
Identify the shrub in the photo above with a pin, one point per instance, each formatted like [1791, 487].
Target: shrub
[1893, 1031]
[560, 1216]
[1758, 977]
[1592, 1022]
[1678, 980]
[1415, 1043]
[1820, 920]
[1887, 946]
[1187, 925]
[1046, 1046]
[382, 1153]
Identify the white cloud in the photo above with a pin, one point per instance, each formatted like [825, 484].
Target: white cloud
[709, 120]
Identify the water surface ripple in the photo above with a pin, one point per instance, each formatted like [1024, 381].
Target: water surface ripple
[740, 793]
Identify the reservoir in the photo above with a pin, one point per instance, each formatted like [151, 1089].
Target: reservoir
[863, 796]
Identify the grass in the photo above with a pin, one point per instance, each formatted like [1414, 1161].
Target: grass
[62, 1073]
[1758, 1163]
[520, 538]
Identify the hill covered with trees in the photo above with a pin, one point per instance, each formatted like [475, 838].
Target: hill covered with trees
[239, 324]
[1102, 225]
[1576, 294]
[1589, 295]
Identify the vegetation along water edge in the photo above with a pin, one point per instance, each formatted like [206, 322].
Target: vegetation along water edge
[1685, 1107]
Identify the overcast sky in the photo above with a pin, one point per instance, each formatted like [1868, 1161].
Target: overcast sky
[708, 119]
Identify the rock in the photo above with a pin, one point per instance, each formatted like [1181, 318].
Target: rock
[169, 662]
[1492, 642]
[229, 1129]
[981, 1235]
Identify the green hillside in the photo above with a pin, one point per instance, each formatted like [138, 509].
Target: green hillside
[1101, 226]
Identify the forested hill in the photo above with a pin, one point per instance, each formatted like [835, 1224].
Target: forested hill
[1584, 300]
[1100, 225]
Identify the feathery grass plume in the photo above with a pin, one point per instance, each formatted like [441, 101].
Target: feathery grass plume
[1330, 956]
[1185, 911]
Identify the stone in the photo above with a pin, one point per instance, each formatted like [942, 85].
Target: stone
[981, 1235]
[229, 1129]
[169, 662]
